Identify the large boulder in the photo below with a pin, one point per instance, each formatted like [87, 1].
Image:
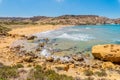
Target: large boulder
[109, 52]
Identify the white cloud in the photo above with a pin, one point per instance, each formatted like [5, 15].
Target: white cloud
[59, 0]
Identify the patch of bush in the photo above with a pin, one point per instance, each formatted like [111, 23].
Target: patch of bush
[101, 73]
[89, 78]
[40, 74]
[19, 66]
[7, 72]
[37, 73]
[88, 72]
[4, 30]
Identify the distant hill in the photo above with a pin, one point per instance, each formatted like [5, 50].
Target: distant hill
[64, 20]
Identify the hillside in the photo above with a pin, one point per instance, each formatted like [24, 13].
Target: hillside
[63, 20]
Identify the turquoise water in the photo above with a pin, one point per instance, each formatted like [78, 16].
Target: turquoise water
[81, 38]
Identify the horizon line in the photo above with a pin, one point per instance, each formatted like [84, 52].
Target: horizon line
[56, 16]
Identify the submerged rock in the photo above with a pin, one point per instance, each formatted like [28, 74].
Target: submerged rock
[109, 52]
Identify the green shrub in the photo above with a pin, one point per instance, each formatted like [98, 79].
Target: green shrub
[88, 72]
[8, 72]
[2, 79]
[40, 74]
[4, 30]
[89, 78]
[101, 73]
[19, 66]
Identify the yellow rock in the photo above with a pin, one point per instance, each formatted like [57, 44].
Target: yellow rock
[109, 52]
[64, 67]
[50, 59]
[108, 65]
[72, 66]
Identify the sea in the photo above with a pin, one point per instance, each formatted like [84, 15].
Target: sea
[81, 39]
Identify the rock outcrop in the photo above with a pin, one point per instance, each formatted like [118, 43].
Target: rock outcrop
[109, 52]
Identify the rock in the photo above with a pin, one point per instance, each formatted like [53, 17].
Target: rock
[41, 44]
[46, 40]
[23, 36]
[1, 65]
[38, 49]
[50, 59]
[72, 66]
[77, 58]
[109, 52]
[57, 60]
[64, 67]
[108, 65]
[28, 59]
[31, 37]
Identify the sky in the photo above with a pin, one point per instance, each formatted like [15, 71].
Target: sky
[28, 8]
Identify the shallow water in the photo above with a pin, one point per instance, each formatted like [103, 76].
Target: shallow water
[81, 38]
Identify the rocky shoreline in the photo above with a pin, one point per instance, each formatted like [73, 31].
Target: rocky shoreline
[79, 66]
[21, 49]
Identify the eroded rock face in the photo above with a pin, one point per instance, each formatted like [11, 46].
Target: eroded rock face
[109, 52]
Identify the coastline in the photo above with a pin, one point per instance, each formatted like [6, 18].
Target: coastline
[75, 69]
[36, 29]
[16, 34]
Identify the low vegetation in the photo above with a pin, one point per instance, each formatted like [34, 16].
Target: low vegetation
[7, 73]
[101, 73]
[4, 30]
[37, 73]
[41, 74]
[88, 72]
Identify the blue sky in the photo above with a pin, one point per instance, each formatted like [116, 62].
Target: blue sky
[27, 8]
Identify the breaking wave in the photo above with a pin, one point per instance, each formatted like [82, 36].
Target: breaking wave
[80, 37]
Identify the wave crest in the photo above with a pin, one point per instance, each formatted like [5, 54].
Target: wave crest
[80, 37]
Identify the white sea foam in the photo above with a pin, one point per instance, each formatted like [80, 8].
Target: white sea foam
[44, 34]
[45, 53]
[87, 28]
[71, 29]
[64, 59]
[81, 37]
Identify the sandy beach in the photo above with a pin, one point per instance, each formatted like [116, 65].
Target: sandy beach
[28, 30]
[5, 42]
